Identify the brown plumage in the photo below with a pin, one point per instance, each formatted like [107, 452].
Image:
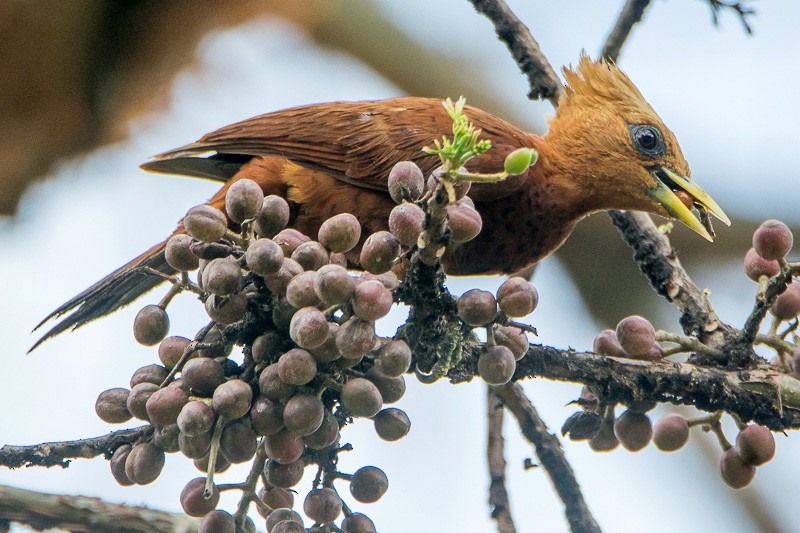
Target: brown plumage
[606, 149]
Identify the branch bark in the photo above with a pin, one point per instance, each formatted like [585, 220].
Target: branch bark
[498, 495]
[80, 513]
[551, 457]
[632, 14]
[543, 80]
[59, 453]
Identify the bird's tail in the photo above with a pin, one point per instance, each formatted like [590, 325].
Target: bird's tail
[116, 290]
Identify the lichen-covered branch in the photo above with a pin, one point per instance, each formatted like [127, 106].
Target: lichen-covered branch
[59, 453]
[551, 457]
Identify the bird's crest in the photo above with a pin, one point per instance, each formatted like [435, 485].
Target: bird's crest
[595, 83]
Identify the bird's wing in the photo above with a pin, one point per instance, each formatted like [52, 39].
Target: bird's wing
[357, 142]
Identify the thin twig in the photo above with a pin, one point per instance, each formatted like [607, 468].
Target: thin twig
[498, 495]
[542, 78]
[631, 14]
[59, 453]
[551, 457]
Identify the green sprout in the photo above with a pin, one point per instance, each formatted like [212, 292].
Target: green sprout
[454, 153]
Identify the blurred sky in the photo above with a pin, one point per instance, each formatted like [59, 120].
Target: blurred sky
[730, 99]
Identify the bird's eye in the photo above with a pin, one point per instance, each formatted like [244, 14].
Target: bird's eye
[647, 139]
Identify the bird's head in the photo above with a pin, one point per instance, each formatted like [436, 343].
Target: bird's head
[618, 153]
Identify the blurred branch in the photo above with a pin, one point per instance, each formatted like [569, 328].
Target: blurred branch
[80, 513]
[739, 8]
[551, 457]
[59, 453]
[498, 495]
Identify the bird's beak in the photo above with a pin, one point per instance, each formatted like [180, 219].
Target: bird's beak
[668, 182]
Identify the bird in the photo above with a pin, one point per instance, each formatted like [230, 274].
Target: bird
[606, 148]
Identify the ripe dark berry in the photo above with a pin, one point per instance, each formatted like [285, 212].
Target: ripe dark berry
[164, 405]
[636, 336]
[406, 182]
[284, 446]
[355, 337]
[392, 424]
[361, 397]
[171, 350]
[477, 307]
[496, 365]
[264, 257]
[205, 223]
[512, 338]
[239, 442]
[394, 358]
[144, 463]
[371, 300]
[112, 406]
[405, 223]
[517, 297]
[736, 472]
[297, 367]
[606, 343]
[333, 285]
[303, 414]
[222, 276]
[634, 430]
[179, 254]
[289, 239]
[756, 266]
[243, 200]
[322, 505]
[773, 240]
[300, 291]
[311, 255]
[671, 432]
[358, 523]
[217, 521]
[325, 435]
[464, 221]
[368, 484]
[787, 304]
[340, 233]
[756, 444]
[194, 502]
[203, 375]
[272, 217]
[309, 328]
[379, 252]
[232, 399]
[151, 325]
[284, 476]
[196, 418]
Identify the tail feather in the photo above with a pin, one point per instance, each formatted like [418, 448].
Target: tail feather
[114, 291]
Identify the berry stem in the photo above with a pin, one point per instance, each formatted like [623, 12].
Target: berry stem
[249, 492]
[687, 344]
[212, 457]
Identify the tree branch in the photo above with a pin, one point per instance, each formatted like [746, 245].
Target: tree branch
[551, 457]
[80, 513]
[59, 453]
[543, 80]
[631, 14]
[498, 495]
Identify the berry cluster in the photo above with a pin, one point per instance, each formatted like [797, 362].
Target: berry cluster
[311, 359]
[636, 338]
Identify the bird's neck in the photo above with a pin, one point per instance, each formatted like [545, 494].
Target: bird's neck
[578, 186]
